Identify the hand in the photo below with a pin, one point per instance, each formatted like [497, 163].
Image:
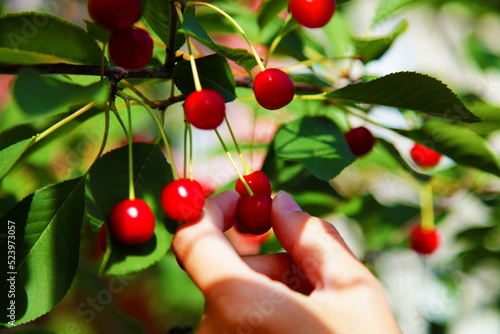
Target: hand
[256, 294]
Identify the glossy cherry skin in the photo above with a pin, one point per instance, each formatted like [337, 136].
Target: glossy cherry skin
[115, 14]
[132, 222]
[253, 214]
[131, 48]
[360, 140]
[258, 182]
[424, 156]
[205, 109]
[312, 13]
[424, 241]
[183, 199]
[273, 89]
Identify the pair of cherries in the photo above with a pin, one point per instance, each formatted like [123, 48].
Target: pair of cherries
[129, 47]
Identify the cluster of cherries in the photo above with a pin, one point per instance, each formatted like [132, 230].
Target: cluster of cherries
[132, 221]
[129, 47]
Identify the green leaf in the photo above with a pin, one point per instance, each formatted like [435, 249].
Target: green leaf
[408, 90]
[34, 37]
[11, 154]
[240, 56]
[269, 10]
[458, 143]
[214, 73]
[108, 182]
[46, 227]
[317, 143]
[373, 49]
[37, 94]
[97, 32]
[388, 8]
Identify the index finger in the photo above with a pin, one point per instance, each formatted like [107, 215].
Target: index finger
[202, 247]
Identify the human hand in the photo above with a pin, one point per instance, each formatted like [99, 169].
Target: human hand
[256, 294]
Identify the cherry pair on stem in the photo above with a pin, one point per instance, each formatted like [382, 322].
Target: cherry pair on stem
[317, 286]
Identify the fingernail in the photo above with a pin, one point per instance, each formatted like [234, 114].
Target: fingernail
[285, 202]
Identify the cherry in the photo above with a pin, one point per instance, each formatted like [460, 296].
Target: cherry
[102, 237]
[273, 89]
[115, 14]
[258, 182]
[205, 109]
[132, 222]
[360, 140]
[253, 214]
[424, 156]
[183, 199]
[312, 13]
[131, 48]
[424, 241]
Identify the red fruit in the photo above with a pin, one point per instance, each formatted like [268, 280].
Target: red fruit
[424, 156]
[312, 13]
[183, 199]
[131, 48]
[253, 214]
[205, 109]
[424, 241]
[258, 182]
[273, 89]
[102, 237]
[132, 222]
[115, 14]
[360, 140]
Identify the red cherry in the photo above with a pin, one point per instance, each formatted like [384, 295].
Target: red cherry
[424, 156]
[131, 48]
[273, 89]
[360, 140]
[312, 13]
[132, 222]
[424, 241]
[258, 182]
[115, 14]
[183, 199]
[205, 109]
[102, 237]
[253, 214]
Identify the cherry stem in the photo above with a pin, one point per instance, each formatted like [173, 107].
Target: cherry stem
[427, 206]
[238, 149]
[185, 147]
[194, 69]
[190, 134]
[236, 25]
[162, 133]
[104, 138]
[137, 92]
[102, 59]
[279, 38]
[130, 140]
[64, 121]
[247, 187]
[112, 107]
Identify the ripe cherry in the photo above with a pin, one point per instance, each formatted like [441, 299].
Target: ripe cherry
[205, 109]
[424, 241]
[424, 156]
[183, 199]
[131, 48]
[258, 182]
[253, 214]
[132, 222]
[360, 140]
[273, 89]
[115, 14]
[312, 13]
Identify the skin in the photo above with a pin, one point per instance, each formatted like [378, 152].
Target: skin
[258, 294]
